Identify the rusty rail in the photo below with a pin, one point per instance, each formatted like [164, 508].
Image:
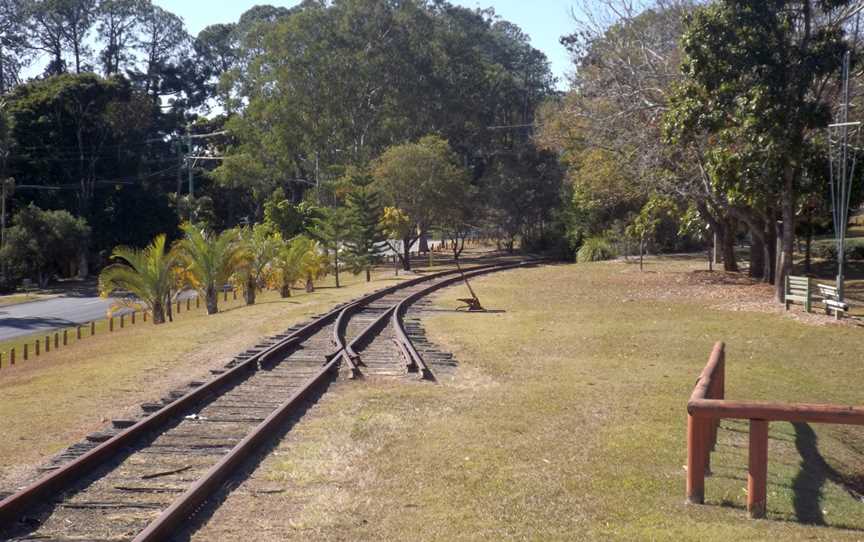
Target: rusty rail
[64, 477]
[708, 405]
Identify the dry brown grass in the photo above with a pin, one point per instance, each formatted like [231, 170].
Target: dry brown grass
[567, 422]
[56, 399]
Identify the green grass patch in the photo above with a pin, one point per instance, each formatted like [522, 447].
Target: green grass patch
[567, 421]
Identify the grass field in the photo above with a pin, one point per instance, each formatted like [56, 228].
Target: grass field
[52, 401]
[567, 421]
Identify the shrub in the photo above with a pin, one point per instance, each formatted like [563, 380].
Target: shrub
[595, 249]
[828, 251]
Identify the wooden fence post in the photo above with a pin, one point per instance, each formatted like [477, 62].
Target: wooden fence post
[122, 321]
[197, 302]
[144, 314]
[234, 291]
[12, 356]
[225, 295]
[47, 343]
[92, 328]
[78, 333]
[65, 337]
[111, 323]
[757, 473]
[695, 461]
[36, 347]
[26, 353]
[188, 304]
[178, 307]
[56, 341]
[133, 318]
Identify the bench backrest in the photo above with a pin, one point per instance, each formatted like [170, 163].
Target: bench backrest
[828, 292]
[797, 285]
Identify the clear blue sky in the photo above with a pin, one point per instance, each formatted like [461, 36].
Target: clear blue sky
[544, 20]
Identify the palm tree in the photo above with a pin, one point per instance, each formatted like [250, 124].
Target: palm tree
[260, 247]
[147, 273]
[209, 260]
[289, 262]
[315, 265]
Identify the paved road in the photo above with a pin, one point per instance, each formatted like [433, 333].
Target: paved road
[38, 316]
[27, 318]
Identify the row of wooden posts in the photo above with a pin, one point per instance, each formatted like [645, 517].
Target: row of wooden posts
[40, 345]
[59, 338]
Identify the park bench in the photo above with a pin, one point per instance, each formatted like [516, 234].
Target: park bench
[798, 290]
[831, 300]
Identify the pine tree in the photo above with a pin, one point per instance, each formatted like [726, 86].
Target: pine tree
[365, 243]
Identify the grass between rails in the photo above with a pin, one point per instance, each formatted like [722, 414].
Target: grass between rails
[567, 421]
[54, 400]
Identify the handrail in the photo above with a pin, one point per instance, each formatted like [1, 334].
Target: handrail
[708, 405]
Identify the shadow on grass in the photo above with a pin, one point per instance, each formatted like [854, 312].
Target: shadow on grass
[813, 475]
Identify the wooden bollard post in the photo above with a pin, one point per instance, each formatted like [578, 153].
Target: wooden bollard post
[197, 302]
[224, 295]
[757, 473]
[56, 341]
[111, 324]
[234, 291]
[144, 314]
[92, 328]
[12, 356]
[36, 347]
[133, 318]
[695, 461]
[47, 343]
[78, 333]
[178, 308]
[188, 304]
[122, 321]
[65, 337]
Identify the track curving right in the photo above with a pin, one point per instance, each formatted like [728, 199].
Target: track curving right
[145, 482]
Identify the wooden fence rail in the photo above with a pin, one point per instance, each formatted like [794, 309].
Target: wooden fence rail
[708, 405]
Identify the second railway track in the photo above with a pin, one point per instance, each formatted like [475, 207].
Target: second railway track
[145, 482]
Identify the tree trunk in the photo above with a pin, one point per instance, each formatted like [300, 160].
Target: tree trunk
[285, 290]
[808, 246]
[770, 252]
[787, 234]
[310, 286]
[158, 313]
[212, 300]
[641, 252]
[757, 255]
[728, 241]
[249, 294]
[83, 263]
[406, 254]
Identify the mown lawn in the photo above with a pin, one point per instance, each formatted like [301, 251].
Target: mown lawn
[567, 421]
[54, 400]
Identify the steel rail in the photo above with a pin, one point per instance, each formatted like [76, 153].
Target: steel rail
[59, 480]
[48, 486]
[413, 359]
[175, 515]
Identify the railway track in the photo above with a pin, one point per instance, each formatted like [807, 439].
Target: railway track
[144, 482]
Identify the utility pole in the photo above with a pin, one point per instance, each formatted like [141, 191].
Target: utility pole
[190, 165]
